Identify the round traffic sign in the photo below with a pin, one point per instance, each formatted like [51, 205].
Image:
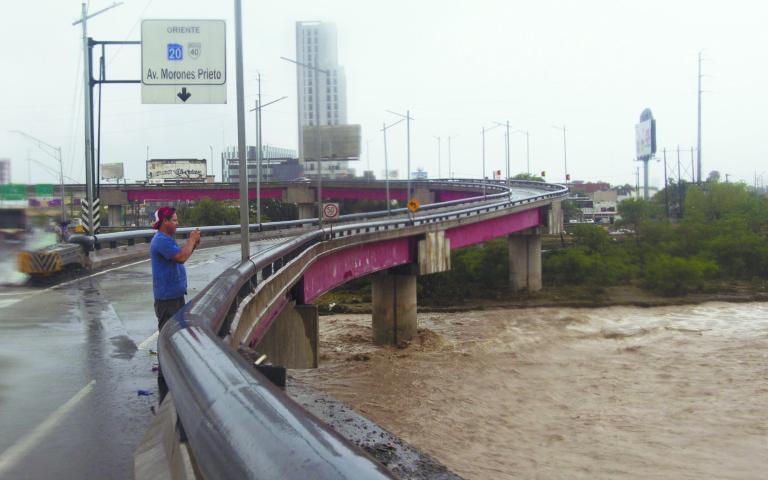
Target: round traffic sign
[331, 210]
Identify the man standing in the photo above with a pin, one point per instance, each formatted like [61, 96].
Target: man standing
[169, 277]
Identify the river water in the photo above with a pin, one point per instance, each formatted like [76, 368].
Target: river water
[622, 392]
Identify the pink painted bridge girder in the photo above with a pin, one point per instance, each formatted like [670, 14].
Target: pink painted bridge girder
[489, 229]
[189, 194]
[333, 270]
[161, 194]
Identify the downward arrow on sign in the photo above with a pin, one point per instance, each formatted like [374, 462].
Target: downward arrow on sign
[184, 95]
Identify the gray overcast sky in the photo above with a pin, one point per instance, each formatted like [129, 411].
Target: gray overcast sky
[592, 65]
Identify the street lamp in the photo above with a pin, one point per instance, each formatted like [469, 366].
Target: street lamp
[506, 153]
[384, 129]
[527, 149]
[482, 177]
[450, 172]
[48, 149]
[316, 94]
[407, 117]
[565, 151]
[439, 171]
[259, 147]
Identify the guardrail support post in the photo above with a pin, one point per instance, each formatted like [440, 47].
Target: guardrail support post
[394, 307]
[525, 260]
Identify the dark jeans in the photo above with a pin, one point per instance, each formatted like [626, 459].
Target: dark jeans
[164, 310]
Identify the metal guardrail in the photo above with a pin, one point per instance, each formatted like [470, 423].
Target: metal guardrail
[238, 424]
[131, 237]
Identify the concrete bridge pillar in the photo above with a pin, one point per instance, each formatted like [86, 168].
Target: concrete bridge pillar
[307, 210]
[394, 307]
[525, 260]
[115, 215]
[423, 195]
[293, 339]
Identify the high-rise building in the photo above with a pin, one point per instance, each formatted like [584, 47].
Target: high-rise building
[5, 171]
[277, 164]
[322, 98]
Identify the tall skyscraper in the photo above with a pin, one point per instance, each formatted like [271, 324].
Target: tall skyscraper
[316, 45]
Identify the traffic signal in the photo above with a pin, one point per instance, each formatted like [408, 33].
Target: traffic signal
[567, 177]
[543, 174]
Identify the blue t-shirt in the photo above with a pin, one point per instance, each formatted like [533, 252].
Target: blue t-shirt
[169, 278]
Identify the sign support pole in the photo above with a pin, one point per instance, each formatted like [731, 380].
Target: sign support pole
[244, 240]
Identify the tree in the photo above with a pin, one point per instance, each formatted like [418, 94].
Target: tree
[528, 176]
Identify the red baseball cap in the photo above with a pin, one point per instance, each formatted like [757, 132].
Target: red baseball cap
[162, 213]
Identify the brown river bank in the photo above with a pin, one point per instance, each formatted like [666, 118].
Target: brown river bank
[619, 392]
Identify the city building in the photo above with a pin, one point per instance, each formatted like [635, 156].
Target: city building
[5, 171]
[277, 164]
[316, 45]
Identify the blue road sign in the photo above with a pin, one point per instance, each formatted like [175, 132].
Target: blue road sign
[175, 52]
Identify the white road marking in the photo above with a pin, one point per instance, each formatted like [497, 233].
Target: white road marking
[201, 263]
[8, 303]
[11, 456]
[60, 285]
[146, 343]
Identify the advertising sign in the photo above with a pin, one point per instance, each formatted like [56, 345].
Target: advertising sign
[336, 142]
[110, 171]
[183, 61]
[643, 139]
[176, 170]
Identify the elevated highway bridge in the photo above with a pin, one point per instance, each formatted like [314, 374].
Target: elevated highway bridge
[239, 425]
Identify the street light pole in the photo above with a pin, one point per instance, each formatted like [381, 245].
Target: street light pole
[482, 177]
[384, 129]
[407, 118]
[260, 147]
[316, 95]
[565, 151]
[439, 170]
[40, 144]
[242, 157]
[450, 171]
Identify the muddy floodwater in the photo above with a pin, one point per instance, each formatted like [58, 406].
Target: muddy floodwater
[674, 392]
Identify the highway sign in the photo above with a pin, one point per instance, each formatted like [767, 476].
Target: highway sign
[330, 211]
[183, 61]
[413, 205]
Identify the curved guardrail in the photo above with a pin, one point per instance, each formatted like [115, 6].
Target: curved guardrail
[238, 424]
[131, 237]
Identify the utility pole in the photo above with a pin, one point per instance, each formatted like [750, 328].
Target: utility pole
[698, 141]
[92, 203]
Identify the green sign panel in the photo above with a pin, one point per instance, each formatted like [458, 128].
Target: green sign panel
[13, 192]
[43, 190]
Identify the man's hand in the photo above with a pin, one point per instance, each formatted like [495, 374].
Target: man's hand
[194, 237]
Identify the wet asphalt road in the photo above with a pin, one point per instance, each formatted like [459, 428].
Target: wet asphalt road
[72, 359]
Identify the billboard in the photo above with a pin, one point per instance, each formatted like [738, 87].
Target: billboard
[176, 170]
[335, 142]
[645, 139]
[110, 171]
